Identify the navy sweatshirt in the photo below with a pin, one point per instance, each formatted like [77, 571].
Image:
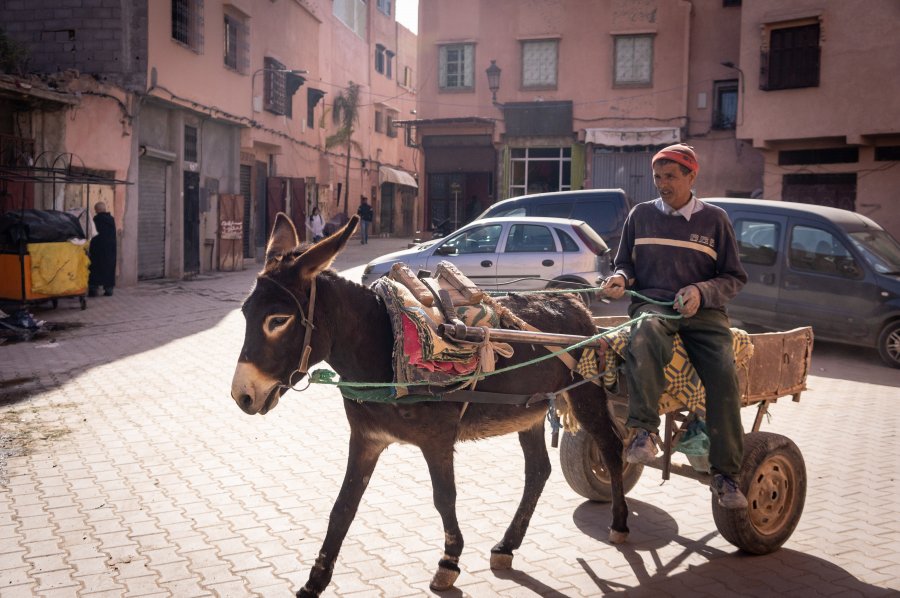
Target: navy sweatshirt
[659, 254]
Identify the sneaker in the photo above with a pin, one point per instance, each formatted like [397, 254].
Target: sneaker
[642, 448]
[728, 493]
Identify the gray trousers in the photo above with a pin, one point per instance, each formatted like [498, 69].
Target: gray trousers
[707, 340]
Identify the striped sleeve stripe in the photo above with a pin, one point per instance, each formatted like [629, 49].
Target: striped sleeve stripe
[675, 243]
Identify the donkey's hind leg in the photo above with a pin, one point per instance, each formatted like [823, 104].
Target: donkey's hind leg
[361, 462]
[595, 417]
[537, 472]
[439, 456]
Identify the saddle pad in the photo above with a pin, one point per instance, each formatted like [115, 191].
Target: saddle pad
[420, 355]
[683, 387]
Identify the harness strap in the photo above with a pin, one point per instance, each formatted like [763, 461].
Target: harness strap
[303, 368]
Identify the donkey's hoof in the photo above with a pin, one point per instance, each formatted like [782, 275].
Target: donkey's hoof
[617, 537]
[306, 593]
[501, 561]
[444, 578]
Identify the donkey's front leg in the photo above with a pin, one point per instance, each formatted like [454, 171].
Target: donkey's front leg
[537, 472]
[439, 457]
[361, 462]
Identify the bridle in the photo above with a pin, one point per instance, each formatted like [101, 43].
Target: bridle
[307, 320]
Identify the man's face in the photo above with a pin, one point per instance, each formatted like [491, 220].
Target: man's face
[674, 186]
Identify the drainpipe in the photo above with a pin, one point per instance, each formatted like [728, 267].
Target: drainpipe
[686, 71]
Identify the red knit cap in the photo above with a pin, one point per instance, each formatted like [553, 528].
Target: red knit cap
[680, 153]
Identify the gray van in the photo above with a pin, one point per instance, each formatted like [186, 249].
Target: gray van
[604, 210]
[836, 270]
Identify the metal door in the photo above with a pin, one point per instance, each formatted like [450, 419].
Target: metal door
[246, 172]
[625, 170]
[191, 222]
[151, 219]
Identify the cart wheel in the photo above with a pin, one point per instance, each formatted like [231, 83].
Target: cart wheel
[83, 302]
[54, 303]
[773, 478]
[584, 471]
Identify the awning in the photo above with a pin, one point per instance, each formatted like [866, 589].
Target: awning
[621, 137]
[400, 177]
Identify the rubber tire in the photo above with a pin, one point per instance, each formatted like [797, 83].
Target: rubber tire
[889, 344]
[584, 471]
[773, 468]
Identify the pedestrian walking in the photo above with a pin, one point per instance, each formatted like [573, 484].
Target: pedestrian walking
[365, 214]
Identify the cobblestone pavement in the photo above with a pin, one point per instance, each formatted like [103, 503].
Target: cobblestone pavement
[127, 470]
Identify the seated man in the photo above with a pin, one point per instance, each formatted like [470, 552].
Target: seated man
[678, 248]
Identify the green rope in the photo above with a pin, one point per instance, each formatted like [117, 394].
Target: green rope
[375, 391]
[587, 290]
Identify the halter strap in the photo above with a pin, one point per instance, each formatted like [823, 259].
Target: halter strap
[307, 321]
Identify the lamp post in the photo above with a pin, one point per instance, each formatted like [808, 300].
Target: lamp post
[257, 107]
[493, 75]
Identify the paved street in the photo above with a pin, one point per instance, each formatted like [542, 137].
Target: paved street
[127, 470]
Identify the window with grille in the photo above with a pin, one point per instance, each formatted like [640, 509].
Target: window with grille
[456, 66]
[190, 144]
[351, 13]
[384, 6]
[725, 94]
[274, 86]
[379, 58]
[791, 59]
[539, 60]
[236, 44]
[187, 23]
[633, 60]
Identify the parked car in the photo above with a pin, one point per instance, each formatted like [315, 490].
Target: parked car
[836, 270]
[512, 254]
[604, 210]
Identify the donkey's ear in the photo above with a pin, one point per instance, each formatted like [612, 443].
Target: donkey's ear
[320, 256]
[284, 237]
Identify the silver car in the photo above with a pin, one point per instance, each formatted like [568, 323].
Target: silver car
[510, 254]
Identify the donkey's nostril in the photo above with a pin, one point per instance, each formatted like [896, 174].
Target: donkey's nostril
[246, 402]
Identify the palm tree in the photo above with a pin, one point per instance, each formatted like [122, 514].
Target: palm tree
[345, 114]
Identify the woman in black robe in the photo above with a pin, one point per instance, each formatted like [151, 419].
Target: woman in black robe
[103, 253]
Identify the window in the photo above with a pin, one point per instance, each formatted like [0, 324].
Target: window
[792, 58]
[568, 243]
[530, 238]
[407, 77]
[379, 121]
[187, 23]
[236, 44]
[351, 13]
[389, 125]
[388, 68]
[190, 144]
[384, 6]
[379, 58]
[274, 99]
[312, 98]
[483, 239]
[757, 241]
[540, 169]
[835, 155]
[539, 63]
[726, 104]
[817, 250]
[456, 66]
[410, 136]
[633, 60]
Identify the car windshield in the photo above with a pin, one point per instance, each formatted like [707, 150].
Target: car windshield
[880, 249]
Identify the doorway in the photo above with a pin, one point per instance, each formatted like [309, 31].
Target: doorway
[191, 222]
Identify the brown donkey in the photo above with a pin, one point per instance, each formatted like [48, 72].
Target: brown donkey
[300, 311]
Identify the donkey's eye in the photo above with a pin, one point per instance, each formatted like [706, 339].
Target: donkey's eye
[275, 323]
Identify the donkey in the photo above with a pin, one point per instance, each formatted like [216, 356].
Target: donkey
[299, 310]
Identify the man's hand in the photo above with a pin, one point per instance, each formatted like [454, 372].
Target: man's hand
[614, 287]
[687, 301]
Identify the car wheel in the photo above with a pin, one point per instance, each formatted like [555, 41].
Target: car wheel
[889, 344]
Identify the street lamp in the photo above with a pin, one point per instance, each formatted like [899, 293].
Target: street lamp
[256, 102]
[493, 75]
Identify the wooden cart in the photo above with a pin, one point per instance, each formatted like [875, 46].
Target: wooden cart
[773, 474]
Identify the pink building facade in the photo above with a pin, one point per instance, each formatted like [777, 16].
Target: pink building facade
[781, 100]
[203, 119]
[587, 92]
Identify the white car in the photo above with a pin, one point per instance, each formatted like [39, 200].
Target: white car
[511, 254]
